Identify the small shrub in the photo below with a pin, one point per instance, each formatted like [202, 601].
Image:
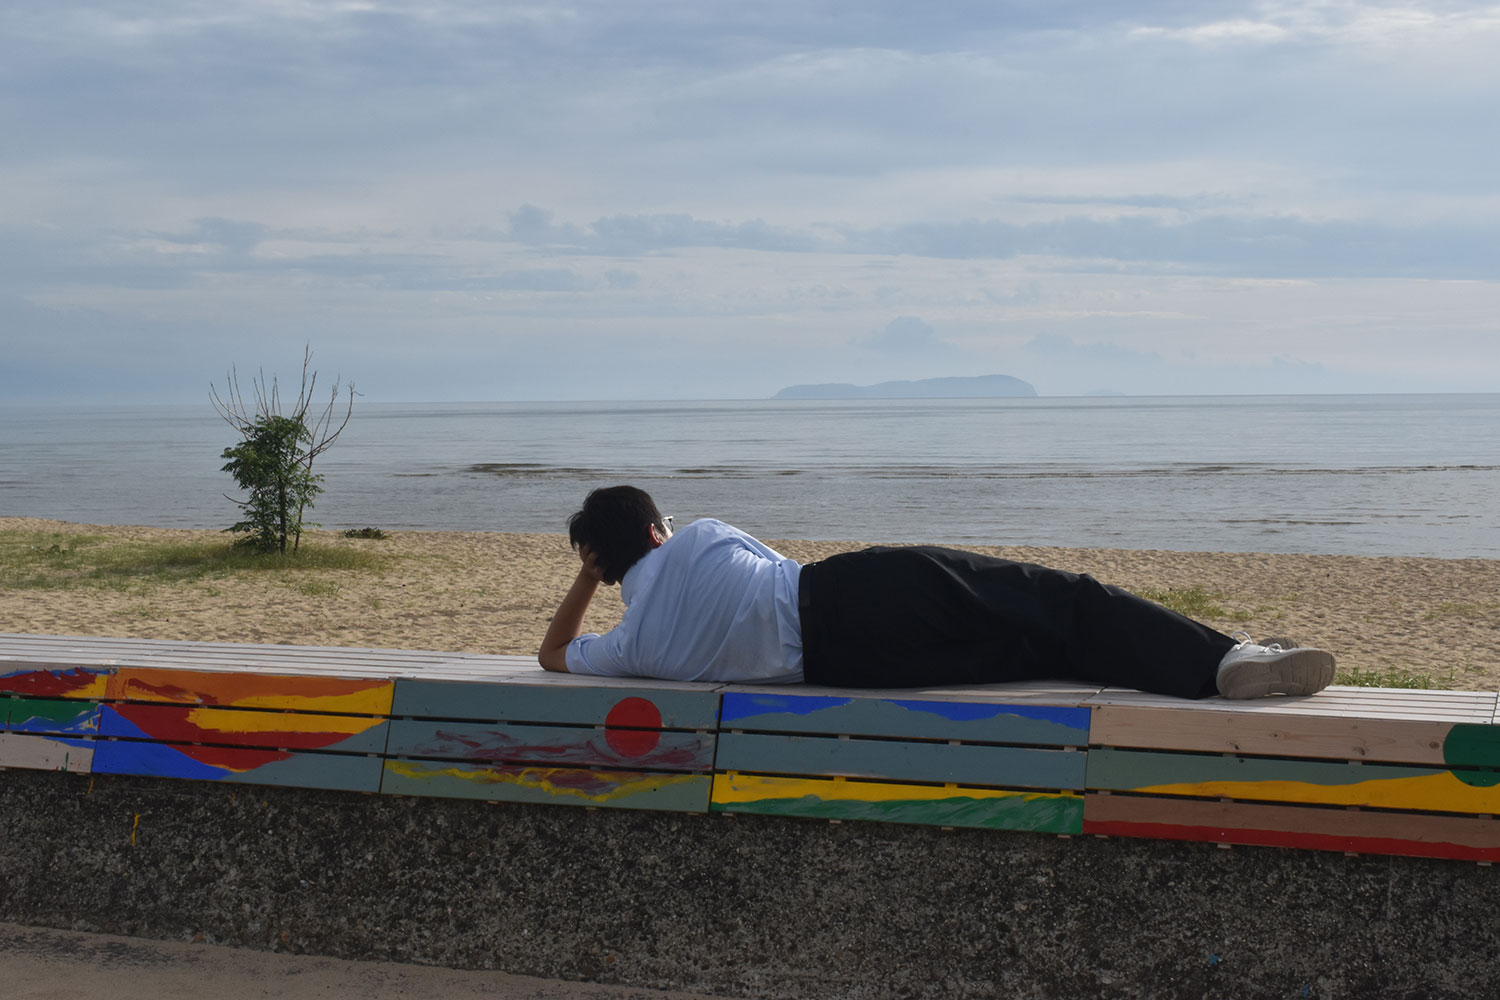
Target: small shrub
[364, 533]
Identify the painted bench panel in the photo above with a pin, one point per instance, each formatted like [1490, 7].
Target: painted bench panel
[321, 694]
[548, 785]
[975, 721]
[46, 753]
[933, 805]
[1361, 831]
[36, 679]
[967, 764]
[1264, 779]
[495, 742]
[245, 765]
[244, 728]
[620, 705]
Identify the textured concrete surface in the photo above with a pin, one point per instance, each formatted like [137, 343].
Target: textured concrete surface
[744, 906]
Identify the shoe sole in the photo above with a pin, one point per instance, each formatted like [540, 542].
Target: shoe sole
[1292, 671]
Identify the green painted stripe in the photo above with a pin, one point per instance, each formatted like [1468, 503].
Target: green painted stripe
[1035, 813]
[48, 715]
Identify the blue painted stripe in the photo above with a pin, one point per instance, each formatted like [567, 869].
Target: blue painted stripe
[743, 706]
[972, 711]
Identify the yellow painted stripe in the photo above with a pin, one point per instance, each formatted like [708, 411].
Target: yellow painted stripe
[220, 720]
[1435, 792]
[374, 701]
[539, 778]
[734, 788]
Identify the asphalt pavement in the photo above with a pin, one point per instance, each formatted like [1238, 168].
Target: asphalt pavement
[45, 964]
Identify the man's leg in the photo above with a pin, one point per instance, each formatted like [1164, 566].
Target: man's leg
[902, 617]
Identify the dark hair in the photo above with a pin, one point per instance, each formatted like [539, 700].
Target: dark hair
[615, 524]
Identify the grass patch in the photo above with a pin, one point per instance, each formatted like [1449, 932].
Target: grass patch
[56, 561]
[1463, 609]
[1194, 602]
[1393, 677]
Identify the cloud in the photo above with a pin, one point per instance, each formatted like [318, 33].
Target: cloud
[906, 335]
[1259, 246]
[1057, 346]
[771, 181]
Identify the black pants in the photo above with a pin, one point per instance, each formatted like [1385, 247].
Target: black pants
[915, 616]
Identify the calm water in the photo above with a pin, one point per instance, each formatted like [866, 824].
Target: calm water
[1376, 475]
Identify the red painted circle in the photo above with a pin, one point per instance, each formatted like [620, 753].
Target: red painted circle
[643, 720]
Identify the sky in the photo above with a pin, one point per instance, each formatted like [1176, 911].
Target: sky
[482, 200]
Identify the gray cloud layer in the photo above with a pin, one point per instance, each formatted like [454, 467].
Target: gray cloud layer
[445, 179]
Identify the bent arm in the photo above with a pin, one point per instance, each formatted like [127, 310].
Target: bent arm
[567, 622]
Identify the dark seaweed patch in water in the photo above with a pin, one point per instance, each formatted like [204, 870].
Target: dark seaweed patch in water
[535, 469]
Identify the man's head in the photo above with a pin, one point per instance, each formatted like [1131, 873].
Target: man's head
[619, 524]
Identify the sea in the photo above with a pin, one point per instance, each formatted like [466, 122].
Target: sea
[1365, 475]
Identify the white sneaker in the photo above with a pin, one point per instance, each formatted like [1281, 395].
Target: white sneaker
[1252, 671]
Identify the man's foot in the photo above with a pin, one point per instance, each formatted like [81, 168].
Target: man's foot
[1253, 671]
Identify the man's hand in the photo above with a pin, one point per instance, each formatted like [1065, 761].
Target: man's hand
[567, 622]
[590, 564]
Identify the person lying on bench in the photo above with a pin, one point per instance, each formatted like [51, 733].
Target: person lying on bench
[711, 603]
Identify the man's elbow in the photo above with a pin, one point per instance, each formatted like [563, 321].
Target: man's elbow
[555, 660]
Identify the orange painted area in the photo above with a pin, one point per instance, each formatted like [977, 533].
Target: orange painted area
[298, 693]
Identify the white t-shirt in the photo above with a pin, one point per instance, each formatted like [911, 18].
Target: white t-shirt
[710, 604]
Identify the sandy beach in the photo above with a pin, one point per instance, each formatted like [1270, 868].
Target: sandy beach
[493, 592]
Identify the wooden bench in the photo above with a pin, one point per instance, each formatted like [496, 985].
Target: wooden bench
[1361, 770]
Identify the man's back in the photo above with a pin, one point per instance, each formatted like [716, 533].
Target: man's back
[711, 603]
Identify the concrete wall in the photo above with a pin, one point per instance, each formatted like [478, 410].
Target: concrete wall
[742, 906]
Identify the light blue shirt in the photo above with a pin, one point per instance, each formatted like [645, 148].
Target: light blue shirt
[710, 604]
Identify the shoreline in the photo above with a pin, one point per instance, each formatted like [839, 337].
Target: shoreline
[493, 592]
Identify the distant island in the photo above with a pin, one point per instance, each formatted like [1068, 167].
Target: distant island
[973, 387]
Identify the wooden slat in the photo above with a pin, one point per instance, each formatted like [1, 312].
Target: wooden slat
[854, 714]
[45, 753]
[679, 706]
[1184, 727]
[245, 728]
[1454, 706]
[889, 802]
[240, 765]
[495, 742]
[359, 696]
[260, 658]
[1310, 827]
[1264, 779]
[50, 716]
[548, 785]
[965, 764]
